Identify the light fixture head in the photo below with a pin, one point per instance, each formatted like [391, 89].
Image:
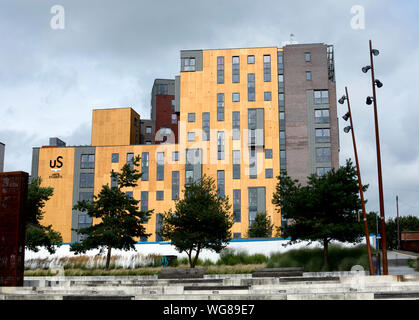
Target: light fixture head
[342, 100]
[365, 69]
[375, 52]
[369, 100]
[378, 83]
[346, 116]
[347, 129]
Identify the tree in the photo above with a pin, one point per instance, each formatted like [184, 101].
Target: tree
[120, 216]
[261, 227]
[325, 209]
[201, 220]
[406, 223]
[38, 235]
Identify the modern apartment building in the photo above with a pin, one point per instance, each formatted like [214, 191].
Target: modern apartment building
[242, 116]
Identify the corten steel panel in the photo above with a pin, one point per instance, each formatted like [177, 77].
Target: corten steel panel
[13, 199]
[164, 115]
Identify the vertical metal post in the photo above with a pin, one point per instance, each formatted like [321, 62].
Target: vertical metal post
[380, 178]
[361, 192]
[398, 223]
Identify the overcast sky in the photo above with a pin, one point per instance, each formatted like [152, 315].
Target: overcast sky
[110, 52]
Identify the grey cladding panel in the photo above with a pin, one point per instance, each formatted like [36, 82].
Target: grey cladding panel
[197, 54]
[35, 162]
[177, 94]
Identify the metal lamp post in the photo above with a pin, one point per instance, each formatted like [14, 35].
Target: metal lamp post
[361, 192]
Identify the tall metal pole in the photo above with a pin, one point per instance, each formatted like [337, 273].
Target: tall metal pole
[380, 178]
[398, 224]
[361, 192]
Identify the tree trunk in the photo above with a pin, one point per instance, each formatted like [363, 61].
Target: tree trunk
[196, 256]
[108, 257]
[190, 258]
[326, 252]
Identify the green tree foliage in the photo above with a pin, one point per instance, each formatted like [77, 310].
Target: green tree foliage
[38, 235]
[325, 209]
[261, 227]
[407, 223]
[199, 221]
[120, 218]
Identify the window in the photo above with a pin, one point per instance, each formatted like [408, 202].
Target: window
[281, 100]
[159, 195]
[205, 126]
[236, 69]
[136, 122]
[237, 235]
[191, 117]
[175, 185]
[144, 203]
[267, 68]
[86, 196]
[87, 161]
[280, 62]
[174, 118]
[175, 156]
[148, 142]
[236, 164]
[144, 166]
[236, 97]
[188, 176]
[268, 153]
[162, 88]
[87, 180]
[130, 159]
[282, 137]
[251, 87]
[143, 238]
[84, 221]
[321, 115]
[130, 195]
[308, 56]
[252, 164]
[323, 154]
[282, 120]
[251, 59]
[160, 166]
[236, 125]
[173, 104]
[220, 69]
[188, 64]
[115, 157]
[323, 135]
[269, 173]
[322, 171]
[308, 75]
[321, 96]
[267, 96]
[147, 129]
[220, 183]
[114, 181]
[236, 205]
[191, 136]
[220, 145]
[220, 106]
[282, 155]
[280, 80]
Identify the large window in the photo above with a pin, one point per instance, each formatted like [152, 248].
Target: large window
[236, 69]
[220, 107]
[322, 171]
[251, 87]
[220, 145]
[321, 116]
[87, 180]
[220, 69]
[253, 164]
[321, 96]
[205, 126]
[86, 196]
[323, 135]
[160, 166]
[282, 137]
[267, 68]
[175, 185]
[130, 159]
[144, 166]
[236, 125]
[221, 183]
[236, 164]
[114, 181]
[323, 154]
[283, 159]
[236, 205]
[188, 64]
[87, 161]
[144, 203]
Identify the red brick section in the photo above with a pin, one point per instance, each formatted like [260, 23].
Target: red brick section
[164, 114]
